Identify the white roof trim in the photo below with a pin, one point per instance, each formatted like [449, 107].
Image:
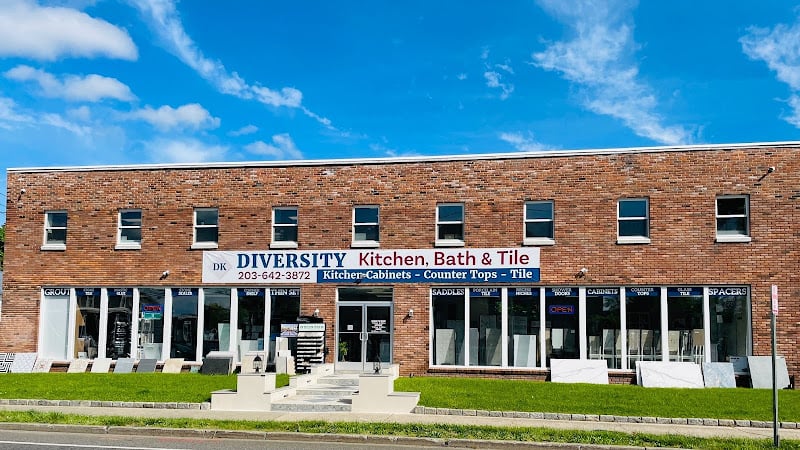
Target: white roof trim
[409, 159]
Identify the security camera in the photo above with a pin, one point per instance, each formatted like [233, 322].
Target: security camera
[771, 169]
[164, 274]
[584, 270]
[22, 191]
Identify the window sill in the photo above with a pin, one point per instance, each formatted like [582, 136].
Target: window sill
[539, 241]
[204, 245]
[365, 244]
[283, 244]
[54, 247]
[733, 238]
[624, 240]
[128, 246]
[449, 243]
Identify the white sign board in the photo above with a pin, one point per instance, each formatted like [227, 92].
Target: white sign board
[775, 299]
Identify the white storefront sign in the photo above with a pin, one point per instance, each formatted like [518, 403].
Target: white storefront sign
[472, 265]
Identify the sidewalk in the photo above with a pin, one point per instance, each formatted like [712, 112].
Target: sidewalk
[685, 427]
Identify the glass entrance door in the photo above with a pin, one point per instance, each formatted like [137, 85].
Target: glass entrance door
[364, 335]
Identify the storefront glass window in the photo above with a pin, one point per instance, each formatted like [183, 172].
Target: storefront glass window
[87, 323]
[55, 323]
[448, 326]
[184, 323]
[216, 320]
[603, 325]
[561, 323]
[730, 322]
[523, 327]
[151, 323]
[643, 322]
[685, 334]
[119, 320]
[252, 304]
[285, 309]
[485, 327]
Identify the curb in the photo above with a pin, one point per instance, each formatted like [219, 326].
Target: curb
[104, 404]
[307, 437]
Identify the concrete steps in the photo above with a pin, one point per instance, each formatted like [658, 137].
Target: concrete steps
[331, 393]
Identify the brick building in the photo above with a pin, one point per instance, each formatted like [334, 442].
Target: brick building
[488, 264]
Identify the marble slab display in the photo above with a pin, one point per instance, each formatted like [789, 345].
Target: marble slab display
[718, 375]
[761, 372]
[669, 374]
[494, 351]
[124, 365]
[445, 346]
[592, 371]
[79, 365]
[740, 364]
[6, 359]
[458, 327]
[146, 366]
[100, 365]
[217, 363]
[42, 365]
[524, 350]
[474, 346]
[23, 363]
[172, 365]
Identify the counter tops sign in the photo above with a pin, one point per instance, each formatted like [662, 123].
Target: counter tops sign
[473, 265]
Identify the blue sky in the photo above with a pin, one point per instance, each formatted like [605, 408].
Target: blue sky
[85, 82]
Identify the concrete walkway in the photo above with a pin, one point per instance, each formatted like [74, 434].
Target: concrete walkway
[429, 416]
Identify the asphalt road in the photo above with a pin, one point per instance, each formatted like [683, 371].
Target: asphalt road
[49, 440]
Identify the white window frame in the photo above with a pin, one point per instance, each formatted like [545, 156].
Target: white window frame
[284, 244]
[55, 245]
[450, 242]
[538, 240]
[733, 237]
[634, 239]
[128, 245]
[204, 244]
[366, 243]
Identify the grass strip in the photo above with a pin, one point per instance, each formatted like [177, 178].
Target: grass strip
[440, 431]
[133, 387]
[620, 400]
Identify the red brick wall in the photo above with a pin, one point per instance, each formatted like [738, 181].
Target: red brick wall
[682, 187]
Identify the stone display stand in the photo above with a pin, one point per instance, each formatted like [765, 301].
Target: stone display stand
[376, 394]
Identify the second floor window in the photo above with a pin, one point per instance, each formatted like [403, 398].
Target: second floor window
[206, 228]
[732, 218]
[284, 227]
[539, 223]
[55, 230]
[129, 229]
[633, 221]
[450, 224]
[365, 226]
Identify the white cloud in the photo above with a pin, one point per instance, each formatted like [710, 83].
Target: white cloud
[282, 147]
[493, 80]
[599, 59]
[461, 76]
[778, 48]
[166, 22]
[184, 151]
[245, 130]
[48, 33]
[12, 118]
[166, 117]
[521, 142]
[91, 88]
[82, 113]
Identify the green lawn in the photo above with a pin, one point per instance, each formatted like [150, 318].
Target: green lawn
[621, 400]
[133, 387]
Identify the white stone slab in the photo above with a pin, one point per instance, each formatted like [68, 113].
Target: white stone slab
[23, 363]
[124, 365]
[42, 365]
[445, 346]
[718, 375]
[100, 365]
[494, 351]
[761, 372]
[474, 346]
[670, 374]
[593, 371]
[524, 350]
[172, 365]
[80, 366]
